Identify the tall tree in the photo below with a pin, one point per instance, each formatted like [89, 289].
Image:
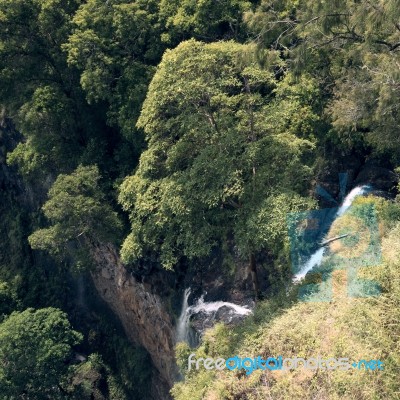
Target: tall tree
[40, 93]
[353, 48]
[227, 155]
[78, 214]
[205, 20]
[34, 350]
[115, 45]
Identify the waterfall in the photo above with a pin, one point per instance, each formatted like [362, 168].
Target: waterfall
[184, 333]
[182, 327]
[316, 259]
[214, 306]
[357, 191]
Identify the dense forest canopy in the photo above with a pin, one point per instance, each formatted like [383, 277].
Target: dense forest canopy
[174, 130]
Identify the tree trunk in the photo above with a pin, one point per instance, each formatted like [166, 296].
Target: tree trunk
[254, 277]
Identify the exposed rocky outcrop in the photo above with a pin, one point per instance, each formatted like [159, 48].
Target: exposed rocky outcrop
[202, 320]
[140, 310]
[142, 313]
[382, 178]
[360, 170]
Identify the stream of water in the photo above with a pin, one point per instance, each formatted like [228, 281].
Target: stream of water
[316, 258]
[183, 331]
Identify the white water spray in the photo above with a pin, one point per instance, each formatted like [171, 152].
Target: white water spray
[316, 259]
[183, 325]
[357, 191]
[214, 306]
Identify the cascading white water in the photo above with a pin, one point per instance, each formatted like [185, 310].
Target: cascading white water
[213, 306]
[183, 326]
[316, 259]
[357, 191]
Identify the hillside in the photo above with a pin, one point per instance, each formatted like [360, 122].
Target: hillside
[183, 179]
[355, 328]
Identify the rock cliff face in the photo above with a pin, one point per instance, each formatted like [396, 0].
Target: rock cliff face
[141, 312]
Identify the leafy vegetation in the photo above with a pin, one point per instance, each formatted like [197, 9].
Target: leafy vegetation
[78, 211]
[178, 130]
[282, 326]
[34, 346]
[212, 171]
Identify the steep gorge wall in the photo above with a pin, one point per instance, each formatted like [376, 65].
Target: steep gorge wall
[141, 311]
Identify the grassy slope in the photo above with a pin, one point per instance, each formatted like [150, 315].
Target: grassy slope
[363, 328]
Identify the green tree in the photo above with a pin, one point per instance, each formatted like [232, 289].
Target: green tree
[114, 45]
[78, 213]
[39, 91]
[352, 48]
[8, 300]
[34, 348]
[205, 20]
[273, 23]
[43, 97]
[227, 155]
[117, 44]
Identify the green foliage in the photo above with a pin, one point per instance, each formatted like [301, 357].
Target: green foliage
[77, 211]
[204, 20]
[133, 366]
[388, 212]
[36, 87]
[352, 47]
[26, 158]
[125, 366]
[34, 348]
[8, 300]
[93, 379]
[222, 153]
[30, 279]
[48, 119]
[273, 23]
[43, 96]
[31, 34]
[307, 330]
[114, 45]
[232, 133]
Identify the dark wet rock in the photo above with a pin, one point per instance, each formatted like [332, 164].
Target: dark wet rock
[379, 177]
[203, 319]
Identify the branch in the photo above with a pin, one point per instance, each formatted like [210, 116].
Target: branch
[389, 45]
[211, 119]
[325, 242]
